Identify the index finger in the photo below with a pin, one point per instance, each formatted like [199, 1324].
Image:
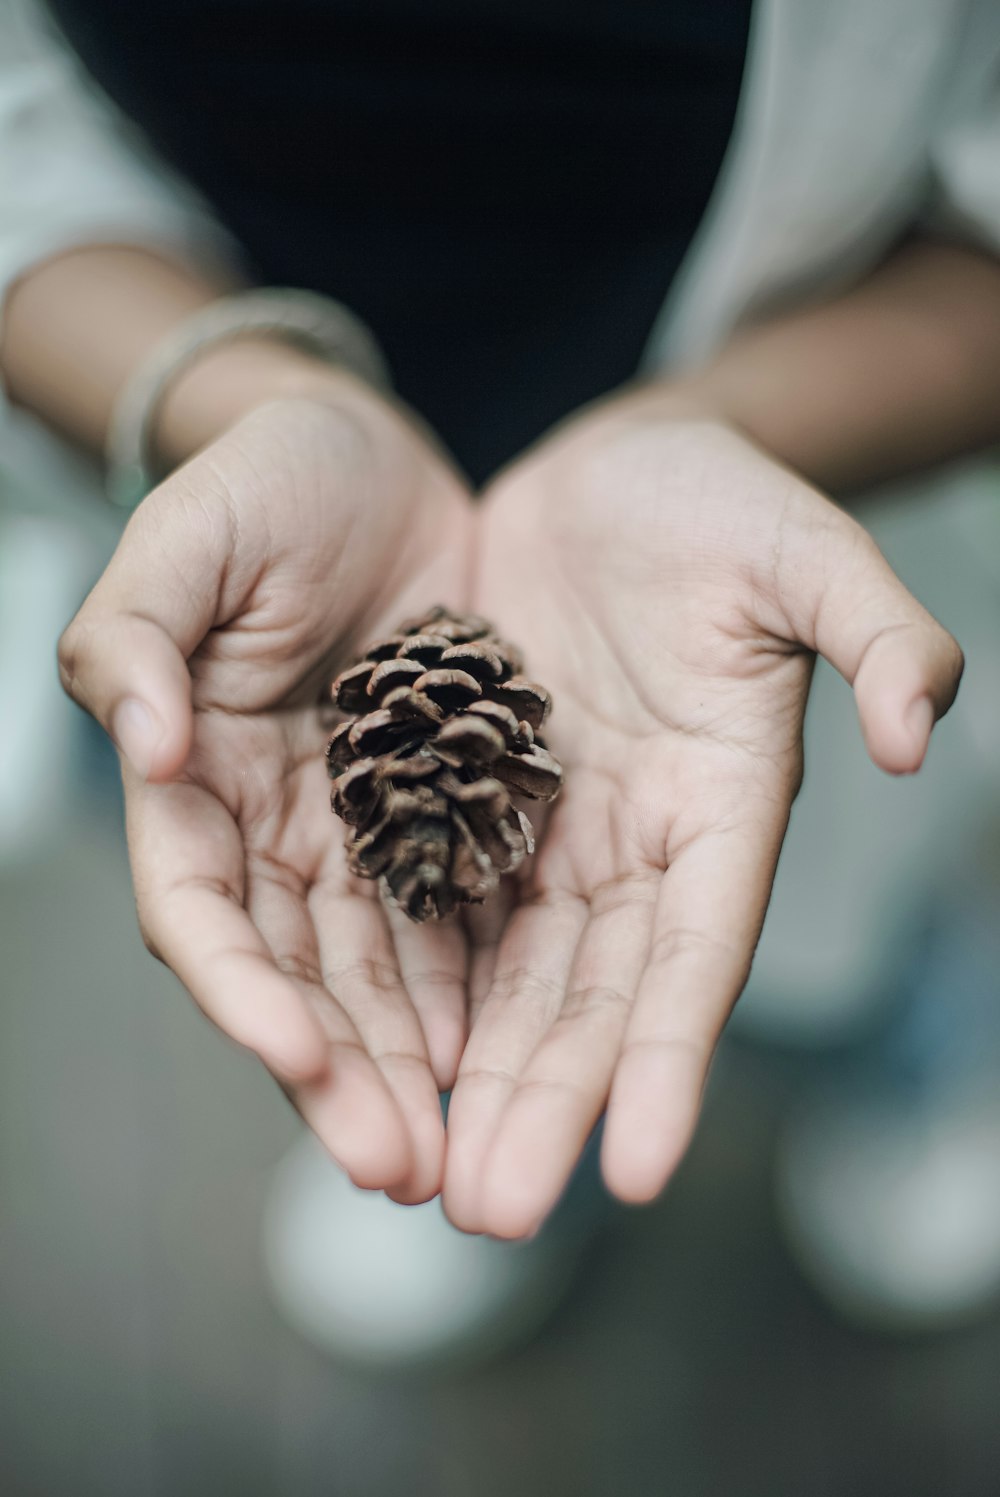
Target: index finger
[709, 915]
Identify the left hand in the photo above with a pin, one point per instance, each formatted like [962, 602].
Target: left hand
[671, 584]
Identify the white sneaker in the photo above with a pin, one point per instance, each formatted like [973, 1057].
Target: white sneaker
[369, 1281]
[894, 1216]
[889, 1186]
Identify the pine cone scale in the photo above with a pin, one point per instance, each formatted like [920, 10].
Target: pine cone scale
[389, 674]
[528, 702]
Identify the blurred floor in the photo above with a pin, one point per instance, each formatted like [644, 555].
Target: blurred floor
[139, 1354]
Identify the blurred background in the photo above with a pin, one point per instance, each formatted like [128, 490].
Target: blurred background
[811, 1308]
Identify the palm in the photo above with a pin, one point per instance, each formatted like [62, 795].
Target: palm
[250, 900]
[649, 583]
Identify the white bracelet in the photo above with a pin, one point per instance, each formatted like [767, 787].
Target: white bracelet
[316, 323]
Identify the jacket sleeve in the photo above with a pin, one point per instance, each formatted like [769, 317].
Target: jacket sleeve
[964, 191]
[73, 170]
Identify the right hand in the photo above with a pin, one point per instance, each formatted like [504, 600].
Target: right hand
[239, 588]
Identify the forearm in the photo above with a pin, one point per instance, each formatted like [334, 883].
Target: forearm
[900, 373]
[76, 326]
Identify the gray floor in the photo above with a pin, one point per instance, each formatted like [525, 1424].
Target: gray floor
[140, 1354]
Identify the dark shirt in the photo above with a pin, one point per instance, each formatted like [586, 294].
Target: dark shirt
[502, 189]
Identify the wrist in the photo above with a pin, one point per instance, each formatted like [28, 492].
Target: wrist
[228, 380]
[696, 396]
[715, 396]
[662, 401]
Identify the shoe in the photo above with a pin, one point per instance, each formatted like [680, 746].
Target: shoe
[888, 1182]
[893, 1217]
[374, 1283]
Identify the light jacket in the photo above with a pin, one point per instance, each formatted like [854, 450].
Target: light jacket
[858, 120]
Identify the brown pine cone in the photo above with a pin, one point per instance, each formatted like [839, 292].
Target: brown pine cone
[442, 731]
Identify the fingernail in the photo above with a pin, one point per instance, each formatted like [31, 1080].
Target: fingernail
[919, 719]
[138, 733]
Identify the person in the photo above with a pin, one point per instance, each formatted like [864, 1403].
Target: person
[503, 205]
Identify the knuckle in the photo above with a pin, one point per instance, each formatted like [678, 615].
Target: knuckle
[533, 990]
[366, 975]
[684, 943]
[149, 939]
[300, 969]
[71, 654]
[145, 912]
[596, 1001]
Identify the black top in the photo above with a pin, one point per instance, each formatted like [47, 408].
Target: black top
[502, 189]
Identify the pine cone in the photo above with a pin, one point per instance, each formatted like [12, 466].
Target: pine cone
[443, 730]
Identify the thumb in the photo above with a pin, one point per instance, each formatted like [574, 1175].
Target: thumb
[904, 667]
[124, 656]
